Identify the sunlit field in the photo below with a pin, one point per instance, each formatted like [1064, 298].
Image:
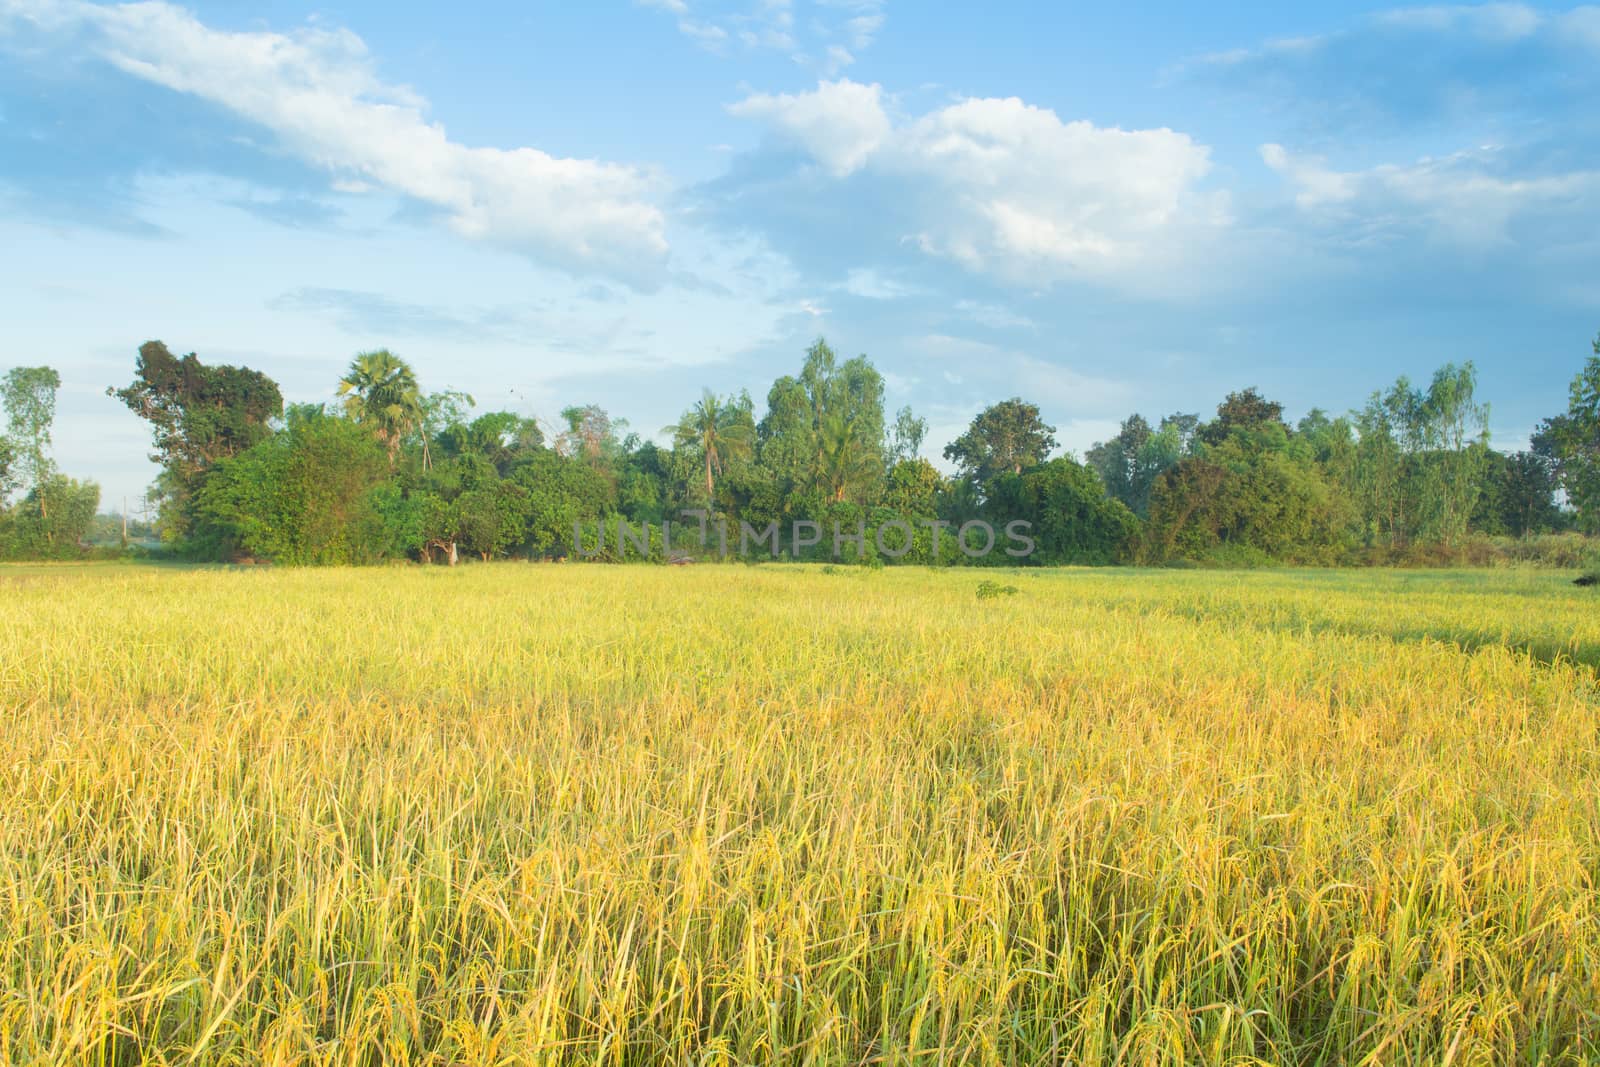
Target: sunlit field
[513, 813]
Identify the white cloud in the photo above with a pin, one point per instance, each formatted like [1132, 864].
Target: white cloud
[318, 92]
[827, 38]
[840, 124]
[1051, 383]
[1492, 22]
[994, 316]
[870, 284]
[1460, 197]
[1581, 24]
[1316, 183]
[1007, 188]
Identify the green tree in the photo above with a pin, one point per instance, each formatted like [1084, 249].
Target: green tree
[501, 437]
[1129, 463]
[1455, 437]
[52, 520]
[492, 517]
[908, 435]
[1072, 519]
[380, 392]
[1380, 472]
[847, 456]
[8, 470]
[308, 495]
[1572, 442]
[1254, 495]
[28, 395]
[716, 431]
[1246, 410]
[823, 435]
[562, 491]
[914, 488]
[1517, 496]
[200, 415]
[1006, 437]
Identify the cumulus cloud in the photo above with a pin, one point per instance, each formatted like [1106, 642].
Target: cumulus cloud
[1006, 188]
[840, 124]
[318, 92]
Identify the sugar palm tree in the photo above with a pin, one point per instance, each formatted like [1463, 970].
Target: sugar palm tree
[380, 390]
[718, 430]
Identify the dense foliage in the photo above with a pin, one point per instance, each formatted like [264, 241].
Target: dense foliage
[395, 472]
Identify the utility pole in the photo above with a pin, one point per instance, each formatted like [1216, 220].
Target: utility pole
[124, 520]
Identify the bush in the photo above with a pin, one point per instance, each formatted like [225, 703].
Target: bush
[988, 590]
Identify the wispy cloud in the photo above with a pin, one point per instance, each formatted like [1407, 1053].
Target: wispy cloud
[1467, 197]
[1418, 67]
[825, 35]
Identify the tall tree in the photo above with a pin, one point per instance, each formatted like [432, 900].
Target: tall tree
[28, 395]
[1572, 441]
[846, 454]
[1006, 437]
[1380, 471]
[717, 430]
[1129, 463]
[909, 433]
[201, 415]
[1455, 432]
[8, 467]
[380, 391]
[823, 434]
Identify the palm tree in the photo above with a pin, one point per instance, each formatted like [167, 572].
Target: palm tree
[718, 429]
[843, 460]
[380, 390]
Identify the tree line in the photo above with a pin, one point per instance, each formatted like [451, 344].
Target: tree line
[390, 471]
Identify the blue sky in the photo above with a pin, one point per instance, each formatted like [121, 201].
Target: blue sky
[621, 202]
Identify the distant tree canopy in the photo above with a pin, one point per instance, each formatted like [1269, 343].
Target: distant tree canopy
[1129, 463]
[1009, 436]
[391, 471]
[1246, 411]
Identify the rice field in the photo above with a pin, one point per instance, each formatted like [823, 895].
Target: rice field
[510, 814]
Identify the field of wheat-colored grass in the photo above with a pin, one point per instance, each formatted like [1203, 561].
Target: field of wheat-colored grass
[511, 814]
